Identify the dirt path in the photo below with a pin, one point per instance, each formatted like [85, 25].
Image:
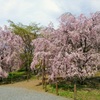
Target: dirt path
[26, 91]
[31, 84]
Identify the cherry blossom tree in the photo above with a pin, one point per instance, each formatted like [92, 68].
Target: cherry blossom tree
[11, 46]
[72, 47]
[72, 50]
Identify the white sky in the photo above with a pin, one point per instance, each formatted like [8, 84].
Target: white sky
[43, 11]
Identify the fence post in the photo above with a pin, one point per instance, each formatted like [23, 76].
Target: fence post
[75, 91]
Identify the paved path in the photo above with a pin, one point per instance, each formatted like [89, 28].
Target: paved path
[14, 93]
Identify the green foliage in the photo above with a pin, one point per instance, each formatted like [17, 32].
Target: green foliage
[15, 74]
[27, 33]
[24, 30]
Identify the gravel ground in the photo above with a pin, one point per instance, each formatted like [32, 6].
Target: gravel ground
[14, 93]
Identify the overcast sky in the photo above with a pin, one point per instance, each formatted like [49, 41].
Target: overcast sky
[43, 11]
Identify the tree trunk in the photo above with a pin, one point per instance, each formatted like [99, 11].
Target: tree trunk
[43, 78]
[57, 88]
[11, 76]
[45, 83]
[75, 91]
[26, 73]
[43, 74]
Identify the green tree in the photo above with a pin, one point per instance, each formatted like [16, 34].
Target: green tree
[27, 33]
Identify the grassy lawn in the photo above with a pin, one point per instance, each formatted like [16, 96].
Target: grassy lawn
[83, 94]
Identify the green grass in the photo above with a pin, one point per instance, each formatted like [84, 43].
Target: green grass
[82, 94]
[88, 95]
[97, 74]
